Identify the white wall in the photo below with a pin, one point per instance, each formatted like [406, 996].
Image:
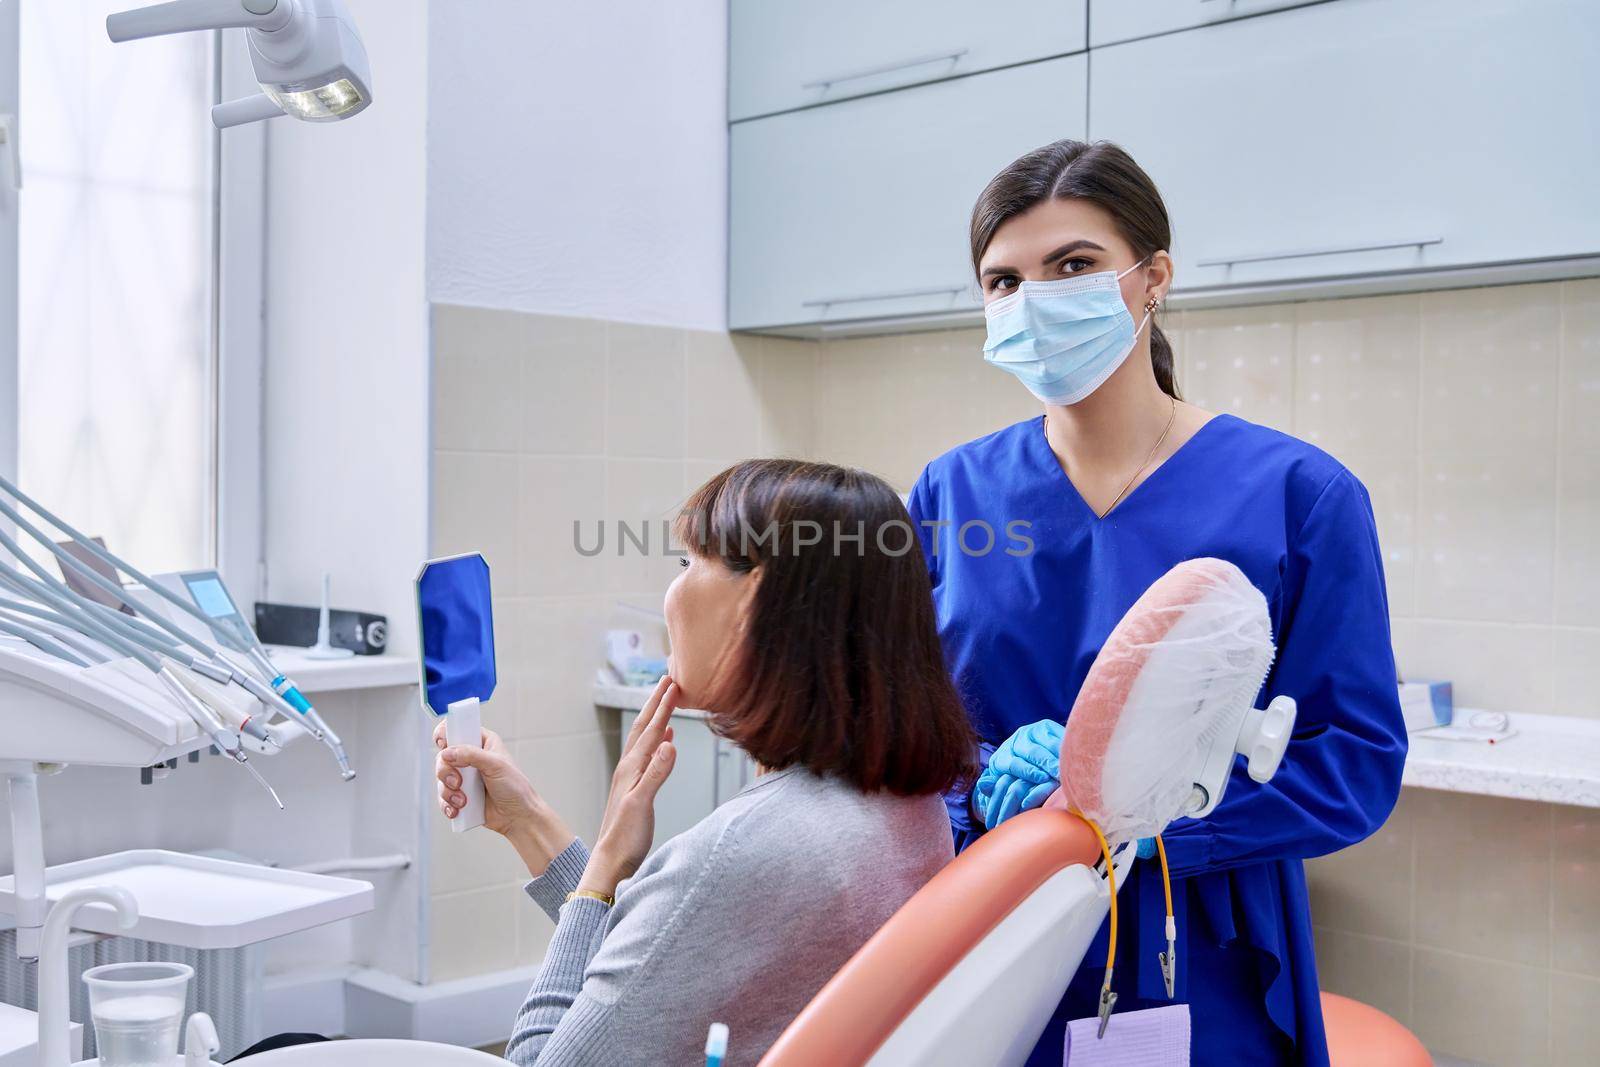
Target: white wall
[347, 338]
[578, 159]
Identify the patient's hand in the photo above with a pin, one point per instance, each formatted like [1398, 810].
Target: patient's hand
[629, 824]
[511, 807]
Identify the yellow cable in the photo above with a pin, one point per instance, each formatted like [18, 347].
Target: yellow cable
[1166, 875]
[1169, 958]
[1111, 883]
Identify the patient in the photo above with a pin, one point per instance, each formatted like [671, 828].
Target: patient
[817, 655]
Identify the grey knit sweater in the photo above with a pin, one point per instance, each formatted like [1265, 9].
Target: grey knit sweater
[739, 920]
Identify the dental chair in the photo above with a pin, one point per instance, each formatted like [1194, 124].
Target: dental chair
[971, 968]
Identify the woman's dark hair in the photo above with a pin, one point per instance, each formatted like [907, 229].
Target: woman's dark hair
[1102, 174]
[839, 668]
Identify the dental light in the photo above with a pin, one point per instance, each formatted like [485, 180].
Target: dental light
[1164, 710]
[307, 55]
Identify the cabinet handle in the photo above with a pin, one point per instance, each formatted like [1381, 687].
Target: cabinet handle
[947, 290]
[921, 61]
[1228, 261]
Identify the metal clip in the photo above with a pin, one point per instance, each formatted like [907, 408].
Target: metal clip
[1108, 1000]
[1169, 967]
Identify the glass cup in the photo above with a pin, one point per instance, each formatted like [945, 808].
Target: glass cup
[137, 1010]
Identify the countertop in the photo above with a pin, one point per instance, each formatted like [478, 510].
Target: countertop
[632, 698]
[1551, 758]
[340, 675]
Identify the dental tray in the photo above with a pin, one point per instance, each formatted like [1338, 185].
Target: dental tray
[200, 902]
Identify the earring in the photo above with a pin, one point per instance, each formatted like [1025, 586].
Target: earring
[1151, 304]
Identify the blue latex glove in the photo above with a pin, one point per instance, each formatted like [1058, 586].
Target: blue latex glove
[1021, 774]
[1146, 848]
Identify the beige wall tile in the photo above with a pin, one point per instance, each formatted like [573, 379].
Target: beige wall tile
[563, 645]
[645, 368]
[1490, 359]
[1580, 366]
[475, 510]
[1575, 889]
[1373, 970]
[1483, 876]
[552, 494]
[697, 472]
[1574, 1020]
[1367, 888]
[788, 396]
[473, 933]
[476, 859]
[1485, 1012]
[572, 773]
[1358, 368]
[644, 494]
[563, 402]
[1241, 360]
[477, 375]
[722, 416]
[500, 711]
[1578, 538]
[1575, 658]
[948, 395]
[1486, 538]
[854, 378]
[1494, 666]
[1391, 482]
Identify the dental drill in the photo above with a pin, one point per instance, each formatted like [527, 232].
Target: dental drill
[86, 622]
[281, 693]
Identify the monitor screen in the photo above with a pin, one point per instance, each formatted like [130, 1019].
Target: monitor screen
[211, 597]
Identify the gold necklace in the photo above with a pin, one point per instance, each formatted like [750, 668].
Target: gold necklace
[1172, 417]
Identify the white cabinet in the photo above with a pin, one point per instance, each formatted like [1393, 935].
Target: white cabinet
[1111, 21]
[784, 54]
[707, 772]
[859, 210]
[1414, 134]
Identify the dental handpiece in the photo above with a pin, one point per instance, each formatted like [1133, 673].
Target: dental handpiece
[156, 642]
[85, 621]
[284, 686]
[282, 693]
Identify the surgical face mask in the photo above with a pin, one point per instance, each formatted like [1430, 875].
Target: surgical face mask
[1062, 339]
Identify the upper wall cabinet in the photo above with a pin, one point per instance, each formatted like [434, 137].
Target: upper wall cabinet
[785, 54]
[1111, 21]
[1365, 138]
[859, 210]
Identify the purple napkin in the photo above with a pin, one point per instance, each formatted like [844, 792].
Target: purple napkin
[1155, 1037]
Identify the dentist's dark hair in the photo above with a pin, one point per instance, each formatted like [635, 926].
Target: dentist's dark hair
[1102, 174]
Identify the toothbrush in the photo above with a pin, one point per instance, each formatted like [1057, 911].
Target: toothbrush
[716, 1044]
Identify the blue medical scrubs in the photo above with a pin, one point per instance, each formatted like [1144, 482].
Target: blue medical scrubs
[1022, 622]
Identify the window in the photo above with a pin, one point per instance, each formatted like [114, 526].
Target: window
[117, 280]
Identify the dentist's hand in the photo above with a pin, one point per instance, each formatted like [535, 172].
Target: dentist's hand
[1021, 774]
[511, 806]
[629, 824]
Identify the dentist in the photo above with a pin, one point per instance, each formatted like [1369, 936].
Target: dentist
[1119, 480]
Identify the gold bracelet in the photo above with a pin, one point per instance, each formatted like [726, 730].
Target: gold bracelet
[605, 898]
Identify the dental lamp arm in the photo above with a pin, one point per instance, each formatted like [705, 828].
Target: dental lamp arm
[1340, 775]
[245, 110]
[182, 16]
